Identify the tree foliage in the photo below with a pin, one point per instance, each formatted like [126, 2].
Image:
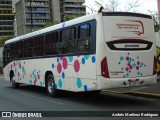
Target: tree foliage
[114, 5]
[156, 25]
[155, 20]
[70, 17]
[4, 39]
[48, 24]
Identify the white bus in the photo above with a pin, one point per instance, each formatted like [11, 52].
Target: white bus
[90, 53]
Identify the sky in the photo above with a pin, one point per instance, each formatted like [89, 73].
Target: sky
[145, 5]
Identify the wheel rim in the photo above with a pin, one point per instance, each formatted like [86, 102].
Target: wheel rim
[50, 86]
[13, 80]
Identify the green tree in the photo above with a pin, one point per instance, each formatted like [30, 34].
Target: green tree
[4, 39]
[48, 24]
[155, 20]
[114, 5]
[156, 24]
[70, 17]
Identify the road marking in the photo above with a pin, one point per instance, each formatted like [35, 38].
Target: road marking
[42, 98]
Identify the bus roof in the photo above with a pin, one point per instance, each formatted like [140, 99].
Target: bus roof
[74, 22]
[54, 27]
[130, 14]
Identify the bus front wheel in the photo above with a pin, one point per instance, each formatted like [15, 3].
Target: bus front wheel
[13, 81]
[51, 86]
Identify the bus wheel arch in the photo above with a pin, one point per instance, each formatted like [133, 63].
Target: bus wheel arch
[13, 80]
[11, 74]
[50, 84]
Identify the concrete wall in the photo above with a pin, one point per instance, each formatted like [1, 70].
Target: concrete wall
[20, 18]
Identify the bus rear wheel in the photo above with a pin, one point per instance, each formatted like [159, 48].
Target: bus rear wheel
[51, 86]
[13, 81]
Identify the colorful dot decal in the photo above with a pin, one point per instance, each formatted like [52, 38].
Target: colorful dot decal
[121, 58]
[41, 83]
[132, 64]
[60, 83]
[70, 58]
[59, 68]
[76, 66]
[86, 57]
[57, 59]
[53, 66]
[83, 61]
[63, 63]
[93, 59]
[85, 87]
[63, 75]
[79, 83]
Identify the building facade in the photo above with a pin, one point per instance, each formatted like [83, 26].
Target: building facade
[34, 14]
[31, 14]
[6, 18]
[71, 8]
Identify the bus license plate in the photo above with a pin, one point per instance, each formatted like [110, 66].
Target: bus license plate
[133, 83]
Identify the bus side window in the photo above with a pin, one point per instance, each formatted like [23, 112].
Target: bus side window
[67, 41]
[38, 49]
[84, 38]
[28, 44]
[12, 51]
[6, 54]
[51, 43]
[19, 49]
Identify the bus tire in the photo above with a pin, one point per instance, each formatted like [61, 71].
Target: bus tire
[51, 86]
[95, 92]
[15, 85]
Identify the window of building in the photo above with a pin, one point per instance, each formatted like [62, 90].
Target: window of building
[68, 41]
[51, 43]
[40, 9]
[84, 38]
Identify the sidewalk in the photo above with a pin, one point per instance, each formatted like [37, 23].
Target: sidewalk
[152, 91]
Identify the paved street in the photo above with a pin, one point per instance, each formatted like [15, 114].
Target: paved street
[29, 98]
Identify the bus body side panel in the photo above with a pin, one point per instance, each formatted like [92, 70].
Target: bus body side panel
[100, 53]
[72, 73]
[6, 72]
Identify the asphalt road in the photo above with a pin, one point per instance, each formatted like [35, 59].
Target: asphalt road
[29, 98]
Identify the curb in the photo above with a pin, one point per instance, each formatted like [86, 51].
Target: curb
[133, 93]
[116, 92]
[143, 94]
